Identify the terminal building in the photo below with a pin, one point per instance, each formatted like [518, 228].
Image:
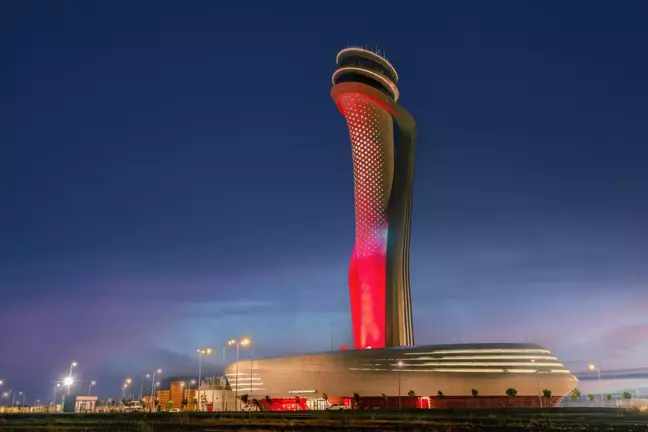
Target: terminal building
[426, 376]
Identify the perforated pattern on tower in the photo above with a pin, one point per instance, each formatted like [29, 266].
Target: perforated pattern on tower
[371, 130]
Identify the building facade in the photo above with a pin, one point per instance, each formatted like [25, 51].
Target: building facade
[453, 370]
[382, 146]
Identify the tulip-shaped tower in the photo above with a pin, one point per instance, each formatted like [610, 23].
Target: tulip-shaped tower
[382, 146]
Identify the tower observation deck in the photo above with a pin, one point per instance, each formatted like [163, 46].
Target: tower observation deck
[366, 93]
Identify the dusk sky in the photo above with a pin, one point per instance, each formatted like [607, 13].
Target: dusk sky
[175, 174]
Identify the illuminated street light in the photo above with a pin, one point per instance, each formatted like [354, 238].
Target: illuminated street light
[90, 386]
[141, 395]
[56, 387]
[593, 368]
[201, 352]
[155, 372]
[68, 381]
[238, 344]
[69, 377]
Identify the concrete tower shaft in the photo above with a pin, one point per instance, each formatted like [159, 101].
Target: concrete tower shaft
[383, 161]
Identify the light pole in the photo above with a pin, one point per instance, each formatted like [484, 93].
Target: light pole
[71, 381]
[398, 371]
[200, 352]
[155, 372]
[56, 391]
[90, 386]
[593, 367]
[238, 343]
[68, 381]
[189, 394]
[23, 397]
[538, 381]
[223, 387]
[147, 376]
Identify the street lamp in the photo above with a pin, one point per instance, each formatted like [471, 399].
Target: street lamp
[538, 381]
[55, 391]
[201, 352]
[238, 344]
[593, 368]
[141, 395]
[90, 386]
[155, 372]
[398, 371]
[71, 381]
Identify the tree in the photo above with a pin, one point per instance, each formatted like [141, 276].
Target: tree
[411, 393]
[575, 394]
[511, 392]
[267, 398]
[185, 402]
[475, 393]
[356, 398]
[608, 396]
[627, 395]
[244, 398]
[590, 397]
[546, 393]
[169, 405]
[383, 399]
[441, 395]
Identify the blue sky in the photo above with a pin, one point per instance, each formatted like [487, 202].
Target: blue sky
[175, 175]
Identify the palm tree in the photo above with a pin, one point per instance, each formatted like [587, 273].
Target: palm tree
[383, 397]
[411, 393]
[244, 398]
[590, 397]
[627, 395]
[511, 392]
[575, 394]
[441, 395]
[169, 405]
[475, 393]
[356, 398]
[546, 393]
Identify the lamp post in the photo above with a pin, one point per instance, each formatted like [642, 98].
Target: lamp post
[68, 381]
[238, 344]
[147, 376]
[398, 371]
[200, 352]
[225, 376]
[593, 367]
[55, 391]
[71, 381]
[538, 381]
[153, 383]
[90, 387]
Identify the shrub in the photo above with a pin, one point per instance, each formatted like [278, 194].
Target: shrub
[511, 392]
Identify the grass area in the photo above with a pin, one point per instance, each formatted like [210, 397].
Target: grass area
[511, 419]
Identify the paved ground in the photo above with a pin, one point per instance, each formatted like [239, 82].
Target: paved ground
[511, 420]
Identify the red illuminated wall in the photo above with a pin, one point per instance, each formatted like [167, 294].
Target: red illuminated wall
[372, 146]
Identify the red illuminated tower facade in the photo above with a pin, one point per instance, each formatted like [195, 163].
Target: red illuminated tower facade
[382, 147]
